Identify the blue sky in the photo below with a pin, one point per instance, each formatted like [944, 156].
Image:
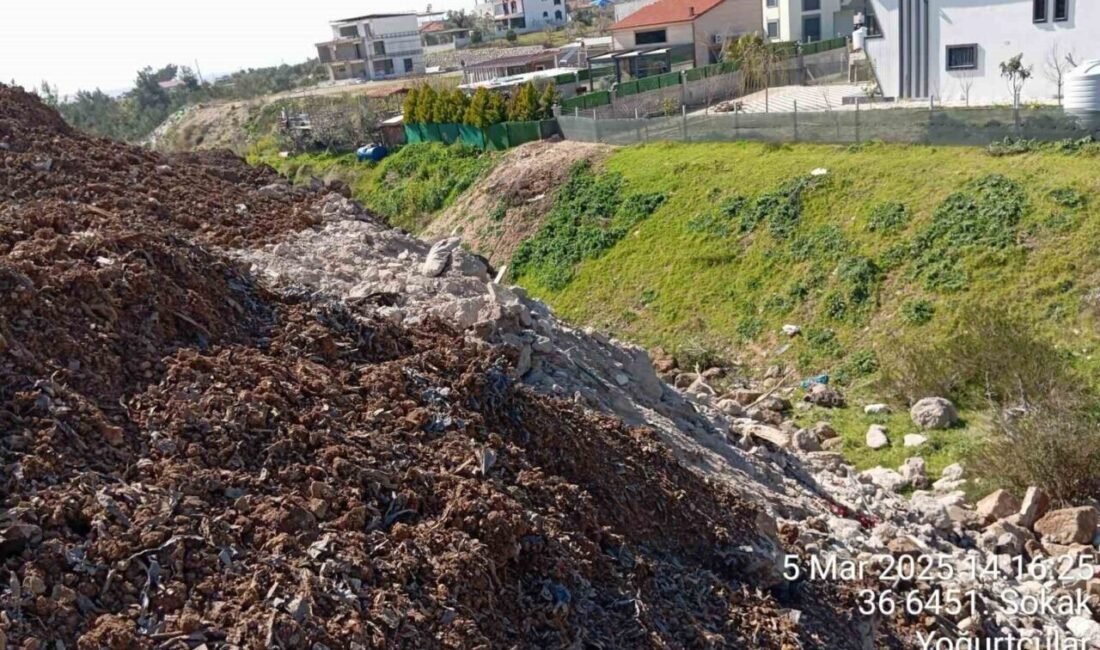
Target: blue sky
[84, 44]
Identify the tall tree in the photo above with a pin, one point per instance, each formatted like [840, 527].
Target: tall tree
[547, 101]
[477, 113]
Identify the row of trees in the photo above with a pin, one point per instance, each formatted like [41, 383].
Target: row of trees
[134, 114]
[426, 105]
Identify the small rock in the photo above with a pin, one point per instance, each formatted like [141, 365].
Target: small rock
[1004, 537]
[1036, 503]
[805, 440]
[832, 444]
[876, 437]
[743, 396]
[884, 477]
[824, 431]
[934, 413]
[731, 407]
[824, 395]
[952, 472]
[791, 330]
[997, 505]
[1085, 629]
[914, 472]
[1068, 525]
[914, 440]
[876, 409]
[775, 403]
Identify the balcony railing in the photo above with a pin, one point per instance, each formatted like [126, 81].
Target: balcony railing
[379, 37]
[398, 55]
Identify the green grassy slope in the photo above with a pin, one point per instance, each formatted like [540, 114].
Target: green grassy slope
[671, 285]
[406, 188]
[708, 249]
[878, 247]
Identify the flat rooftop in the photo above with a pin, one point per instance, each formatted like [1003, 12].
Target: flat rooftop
[369, 16]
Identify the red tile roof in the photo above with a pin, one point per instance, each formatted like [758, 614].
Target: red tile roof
[433, 26]
[667, 11]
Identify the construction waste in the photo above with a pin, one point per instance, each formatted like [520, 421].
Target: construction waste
[237, 413]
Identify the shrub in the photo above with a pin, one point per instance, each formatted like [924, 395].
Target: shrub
[720, 222]
[589, 216]
[888, 217]
[1067, 197]
[781, 208]
[1055, 445]
[917, 312]
[749, 327]
[984, 355]
[984, 216]
[511, 36]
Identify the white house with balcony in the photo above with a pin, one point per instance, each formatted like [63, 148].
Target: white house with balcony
[952, 49]
[522, 16]
[375, 46]
[809, 20]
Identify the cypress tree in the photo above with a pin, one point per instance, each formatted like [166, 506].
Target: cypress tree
[408, 109]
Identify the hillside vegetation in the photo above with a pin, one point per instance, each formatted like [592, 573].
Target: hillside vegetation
[891, 260]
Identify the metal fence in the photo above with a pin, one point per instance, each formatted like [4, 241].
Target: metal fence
[955, 126]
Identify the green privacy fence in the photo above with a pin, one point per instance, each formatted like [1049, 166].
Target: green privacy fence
[494, 138]
[587, 101]
[647, 84]
[824, 46]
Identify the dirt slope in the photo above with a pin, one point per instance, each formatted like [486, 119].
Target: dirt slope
[511, 203]
[190, 459]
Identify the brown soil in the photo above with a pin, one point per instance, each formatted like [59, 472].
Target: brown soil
[189, 461]
[509, 205]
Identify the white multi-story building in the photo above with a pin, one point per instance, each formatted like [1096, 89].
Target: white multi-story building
[952, 49]
[523, 16]
[809, 20]
[375, 46]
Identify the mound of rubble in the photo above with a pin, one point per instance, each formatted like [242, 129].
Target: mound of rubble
[192, 460]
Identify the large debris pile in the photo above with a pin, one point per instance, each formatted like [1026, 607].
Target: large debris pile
[188, 459]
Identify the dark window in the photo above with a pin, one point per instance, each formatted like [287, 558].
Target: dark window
[349, 32]
[1039, 11]
[408, 65]
[773, 3]
[380, 48]
[811, 5]
[773, 29]
[811, 29]
[962, 57]
[649, 38]
[546, 14]
[871, 23]
[1061, 9]
[519, 23]
[557, 15]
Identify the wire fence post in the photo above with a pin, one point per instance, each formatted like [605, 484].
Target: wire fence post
[637, 125]
[684, 120]
[796, 120]
[857, 120]
[736, 123]
[596, 125]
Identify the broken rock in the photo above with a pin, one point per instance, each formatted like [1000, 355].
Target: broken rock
[439, 257]
[824, 395]
[1068, 525]
[876, 437]
[1035, 505]
[934, 413]
[997, 505]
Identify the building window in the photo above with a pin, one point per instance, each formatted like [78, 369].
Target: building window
[962, 57]
[1039, 11]
[1061, 10]
[773, 29]
[349, 32]
[650, 37]
[557, 15]
[546, 14]
[408, 66]
[380, 48]
[773, 3]
[557, 3]
[811, 29]
[811, 5]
